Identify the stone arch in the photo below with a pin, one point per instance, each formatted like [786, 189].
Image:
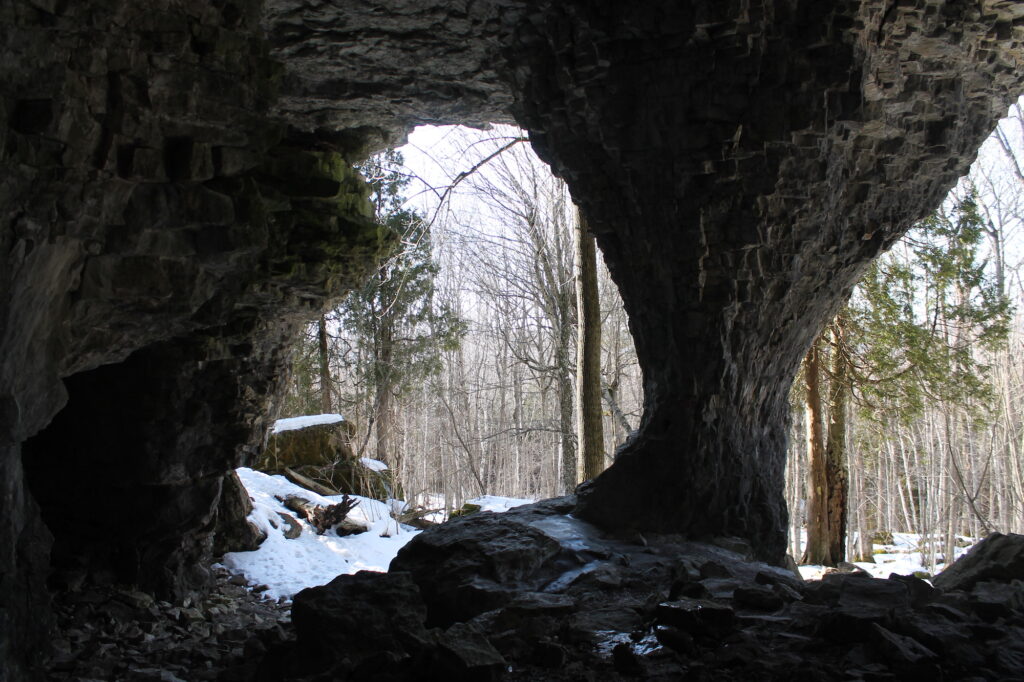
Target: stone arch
[175, 199]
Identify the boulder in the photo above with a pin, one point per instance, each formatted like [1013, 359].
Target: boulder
[321, 452]
[997, 557]
[360, 616]
[476, 563]
[315, 444]
[234, 532]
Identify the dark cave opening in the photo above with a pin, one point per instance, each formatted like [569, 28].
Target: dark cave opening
[127, 480]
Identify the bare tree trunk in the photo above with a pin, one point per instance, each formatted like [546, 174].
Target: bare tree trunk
[570, 462]
[325, 368]
[836, 480]
[817, 550]
[610, 392]
[384, 413]
[590, 431]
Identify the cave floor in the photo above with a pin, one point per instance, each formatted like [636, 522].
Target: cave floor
[535, 594]
[118, 633]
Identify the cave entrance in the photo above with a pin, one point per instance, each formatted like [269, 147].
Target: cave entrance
[456, 364]
[128, 473]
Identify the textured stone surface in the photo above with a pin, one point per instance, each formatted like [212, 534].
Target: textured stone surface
[740, 162]
[598, 607]
[175, 196]
[161, 238]
[371, 71]
[997, 557]
[233, 531]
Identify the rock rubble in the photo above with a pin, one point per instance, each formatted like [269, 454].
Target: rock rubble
[593, 607]
[119, 633]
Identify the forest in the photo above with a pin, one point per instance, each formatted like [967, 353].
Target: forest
[491, 354]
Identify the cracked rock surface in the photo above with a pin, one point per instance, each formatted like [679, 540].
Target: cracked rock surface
[579, 604]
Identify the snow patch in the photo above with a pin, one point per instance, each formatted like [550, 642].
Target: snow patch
[498, 504]
[902, 557]
[373, 464]
[293, 423]
[288, 566]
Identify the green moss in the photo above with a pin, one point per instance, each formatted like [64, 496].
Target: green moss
[321, 216]
[465, 510]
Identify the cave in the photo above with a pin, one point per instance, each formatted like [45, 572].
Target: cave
[178, 196]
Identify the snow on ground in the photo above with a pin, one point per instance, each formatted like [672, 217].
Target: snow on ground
[498, 504]
[293, 423]
[903, 557]
[287, 566]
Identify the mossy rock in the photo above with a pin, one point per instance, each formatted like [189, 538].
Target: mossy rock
[882, 537]
[317, 446]
[323, 453]
[350, 476]
[465, 510]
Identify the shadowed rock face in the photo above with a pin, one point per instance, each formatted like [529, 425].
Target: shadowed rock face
[740, 162]
[175, 198]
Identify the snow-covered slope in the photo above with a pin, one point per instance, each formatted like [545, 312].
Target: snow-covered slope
[287, 566]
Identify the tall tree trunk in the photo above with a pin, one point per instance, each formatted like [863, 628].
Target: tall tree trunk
[836, 478]
[383, 417]
[325, 368]
[590, 432]
[817, 550]
[570, 462]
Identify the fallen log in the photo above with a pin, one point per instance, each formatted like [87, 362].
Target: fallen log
[415, 518]
[323, 518]
[308, 483]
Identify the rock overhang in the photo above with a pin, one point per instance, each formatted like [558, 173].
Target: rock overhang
[740, 163]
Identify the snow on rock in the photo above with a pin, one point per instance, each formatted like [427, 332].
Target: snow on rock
[287, 566]
[373, 464]
[293, 423]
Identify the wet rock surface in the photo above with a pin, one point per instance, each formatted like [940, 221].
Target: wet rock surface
[598, 608]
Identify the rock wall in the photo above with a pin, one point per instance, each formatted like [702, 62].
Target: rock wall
[162, 237]
[176, 196]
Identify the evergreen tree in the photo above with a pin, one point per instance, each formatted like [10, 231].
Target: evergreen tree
[918, 316]
[907, 338]
[395, 323]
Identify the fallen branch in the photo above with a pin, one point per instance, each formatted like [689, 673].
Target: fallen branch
[324, 518]
[308, 483]
[415, 518]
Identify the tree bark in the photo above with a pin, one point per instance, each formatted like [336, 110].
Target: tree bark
[325, 368]
[836, 477]
[818, 546]
[383, 417]
[570, 462]
[590, 432]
